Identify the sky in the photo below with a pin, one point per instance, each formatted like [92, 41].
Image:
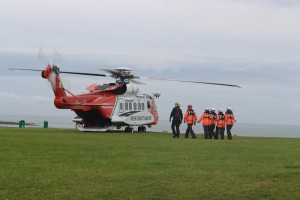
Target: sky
[252, 43]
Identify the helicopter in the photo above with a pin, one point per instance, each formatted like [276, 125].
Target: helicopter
[108, 106]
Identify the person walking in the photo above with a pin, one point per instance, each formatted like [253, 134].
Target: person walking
[190, 117]
[229, 121]
[220, 129]
[206, 122]
[213, 123]
[176, 118]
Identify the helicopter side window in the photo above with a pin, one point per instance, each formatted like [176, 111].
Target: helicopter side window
[139, 106]
[143, 106]
[134, 106]
[121, 107]
[126, 106]
[130, 106]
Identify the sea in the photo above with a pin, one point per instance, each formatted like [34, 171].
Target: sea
[239, 129]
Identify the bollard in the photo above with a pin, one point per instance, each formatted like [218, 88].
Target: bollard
[45, 124]
[22, 124]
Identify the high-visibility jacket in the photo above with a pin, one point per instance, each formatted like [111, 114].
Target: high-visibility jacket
[190, 117]
[213, 119]
[229, 119]
[221, 121]
[206, 119]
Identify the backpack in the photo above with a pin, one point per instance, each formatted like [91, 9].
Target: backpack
[176, 114]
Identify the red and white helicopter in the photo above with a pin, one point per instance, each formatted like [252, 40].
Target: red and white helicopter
[108, 106]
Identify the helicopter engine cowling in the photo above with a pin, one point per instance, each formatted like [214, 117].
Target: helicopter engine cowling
[132, 90]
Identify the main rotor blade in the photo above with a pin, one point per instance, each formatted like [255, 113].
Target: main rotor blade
[134, 77]
[111, 71]
[24, 69]
[137, 82]
[87, 74]
[188, 81]
[64, 72]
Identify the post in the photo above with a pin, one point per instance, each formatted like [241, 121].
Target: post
[45, 124]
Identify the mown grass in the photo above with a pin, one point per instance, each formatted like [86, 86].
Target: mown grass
[67, 164]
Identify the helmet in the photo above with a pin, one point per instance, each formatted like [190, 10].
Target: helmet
[212, 109]
[220, 110]
[190, 106]
[177, 104]
[228, 108]
[206, 109]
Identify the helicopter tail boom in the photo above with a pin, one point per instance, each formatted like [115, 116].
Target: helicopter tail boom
[52, 75]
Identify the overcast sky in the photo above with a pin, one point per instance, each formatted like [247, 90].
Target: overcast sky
[252, 43]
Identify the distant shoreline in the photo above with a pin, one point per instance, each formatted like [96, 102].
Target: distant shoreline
[16, 123]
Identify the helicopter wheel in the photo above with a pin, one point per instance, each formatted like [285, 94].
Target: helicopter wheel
[129, 129]
[141, 128]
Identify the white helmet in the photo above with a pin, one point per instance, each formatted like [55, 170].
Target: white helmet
[228, 108]
[212, 109]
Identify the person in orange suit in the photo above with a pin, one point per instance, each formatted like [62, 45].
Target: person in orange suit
[206, 122]
[220, 129]
[229, 121]
[190, 117]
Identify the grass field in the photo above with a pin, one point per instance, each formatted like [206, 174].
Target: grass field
[67, 164]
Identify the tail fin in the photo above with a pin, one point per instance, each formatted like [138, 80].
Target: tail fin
[52, 74]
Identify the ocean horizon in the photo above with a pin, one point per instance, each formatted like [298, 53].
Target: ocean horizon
[239, 129]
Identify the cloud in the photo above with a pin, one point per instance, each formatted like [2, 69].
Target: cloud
[251, 43]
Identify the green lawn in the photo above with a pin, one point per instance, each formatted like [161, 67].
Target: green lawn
[67, 164]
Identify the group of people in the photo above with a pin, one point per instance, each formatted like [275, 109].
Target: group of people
[213, 123]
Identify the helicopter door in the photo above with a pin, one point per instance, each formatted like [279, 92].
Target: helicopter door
[121, 105]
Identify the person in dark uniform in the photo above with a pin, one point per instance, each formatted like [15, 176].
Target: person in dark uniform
[213, 123]
[176, 117]
[190, 117]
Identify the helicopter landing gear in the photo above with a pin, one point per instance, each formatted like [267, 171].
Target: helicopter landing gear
[129, 129]
[142, 129]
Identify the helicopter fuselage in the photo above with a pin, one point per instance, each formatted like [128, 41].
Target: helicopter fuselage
[105, 107]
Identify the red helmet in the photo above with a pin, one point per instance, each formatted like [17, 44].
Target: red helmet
[190, 106]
